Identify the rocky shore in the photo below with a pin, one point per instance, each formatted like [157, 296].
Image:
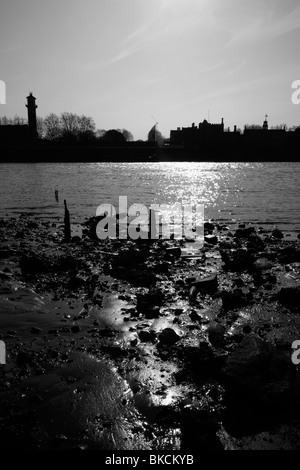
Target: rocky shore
[138, 345]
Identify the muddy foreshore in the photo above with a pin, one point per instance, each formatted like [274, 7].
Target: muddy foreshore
[123, 345]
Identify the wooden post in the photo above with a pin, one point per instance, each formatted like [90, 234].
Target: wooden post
[67, 223]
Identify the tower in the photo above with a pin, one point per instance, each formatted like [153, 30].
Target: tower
[265, 124]
[31, 107]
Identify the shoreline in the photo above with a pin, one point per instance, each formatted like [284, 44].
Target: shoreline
[122, 345]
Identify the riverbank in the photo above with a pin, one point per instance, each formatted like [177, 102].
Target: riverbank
[125, 345]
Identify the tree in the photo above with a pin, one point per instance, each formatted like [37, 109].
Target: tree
[15, 121]
[280, 127]
[253, 126]
[86, 128]
[69, 123]
[127, 134]
[52, 127]
[18, 121]
[113, 136]
[40, 127]
[100, 133]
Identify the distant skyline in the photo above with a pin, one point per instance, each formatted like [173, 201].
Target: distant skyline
[132, 63]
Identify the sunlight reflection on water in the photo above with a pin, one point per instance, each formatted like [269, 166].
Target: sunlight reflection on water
[253, 192]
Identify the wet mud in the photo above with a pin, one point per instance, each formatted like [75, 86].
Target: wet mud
[148, 344]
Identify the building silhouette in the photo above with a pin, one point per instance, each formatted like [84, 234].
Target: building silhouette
[195, 136]
[21, 134]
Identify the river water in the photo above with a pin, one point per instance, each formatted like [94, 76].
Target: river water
[263, 192]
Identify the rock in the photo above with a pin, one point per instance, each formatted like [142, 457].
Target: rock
[146, 336]
[258, 371]
[209, 226]
[168, 337]
[244, 232]
[194, 316]
[289, 254]
[262, 264]
[238, 260]
[290, 297]
[234, 299]
[193, 293]
[152, 312]
[207, 284]
[174, 251]
[35, 330]
[211, 239]
[276, 233]
[154, 297]
[75, 329]
[216, 334]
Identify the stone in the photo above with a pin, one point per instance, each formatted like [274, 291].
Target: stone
[153, 298]
[211, 239]
[168, 337]
[207, 284]
[238, 260]
[276, 233]
[244, 232]
[152, 312]
[146, 336]
[216, 334]
[261, 264]
[234, 299]
[35, 330]
[174, 251]
[209, 226]
[75, 329]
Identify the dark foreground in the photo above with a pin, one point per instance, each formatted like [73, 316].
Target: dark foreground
[130, 345]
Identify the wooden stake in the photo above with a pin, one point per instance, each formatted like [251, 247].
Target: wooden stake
[67, 223]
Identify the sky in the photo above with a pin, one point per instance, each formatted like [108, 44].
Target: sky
[132, 63]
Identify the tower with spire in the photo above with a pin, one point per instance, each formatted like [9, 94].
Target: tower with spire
[31, 110]
[265, 124]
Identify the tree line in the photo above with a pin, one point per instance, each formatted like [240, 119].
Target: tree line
[70, 127]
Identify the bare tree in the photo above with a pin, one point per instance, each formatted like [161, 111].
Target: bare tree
[280, 127]
[40, 127]
[69, 123]
[15, 121]
[18, 121]
[52, 127]
[253, 126]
